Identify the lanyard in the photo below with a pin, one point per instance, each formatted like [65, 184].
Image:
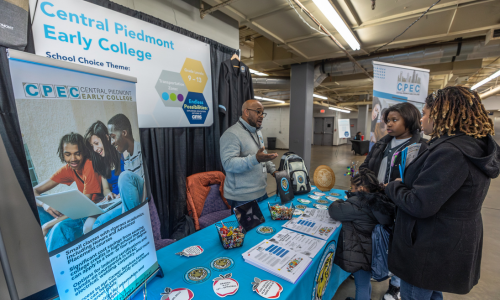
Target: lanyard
[256, 142]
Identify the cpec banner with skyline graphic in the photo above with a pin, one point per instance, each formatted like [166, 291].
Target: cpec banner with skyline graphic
[394, 84]
[174, 85]
[81, 138]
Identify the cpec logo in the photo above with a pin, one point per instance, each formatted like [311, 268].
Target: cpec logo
[39, 90]
[408, 84]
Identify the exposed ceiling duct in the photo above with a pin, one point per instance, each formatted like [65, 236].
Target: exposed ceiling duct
[425, 55]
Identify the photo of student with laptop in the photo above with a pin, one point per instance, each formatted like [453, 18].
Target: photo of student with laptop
[58, 228]
[112, 146]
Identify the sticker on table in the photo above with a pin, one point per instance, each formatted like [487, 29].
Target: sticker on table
[319, 194]
[265, 230]
[334, 194]
[197, 275]
[323, 272]
[322, 201]
[191, 251]
[297, 213]
[267, 288]
[314, 197]
[177, 294]
[224, 285]
[304, 201]
[320, 206]
[332, 198]
[222, 264]
[300, 206]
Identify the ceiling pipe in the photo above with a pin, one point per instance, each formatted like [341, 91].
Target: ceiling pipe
[490, 93]
[425, 55]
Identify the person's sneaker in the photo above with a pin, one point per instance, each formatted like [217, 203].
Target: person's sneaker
[393, 293]
[349, 298]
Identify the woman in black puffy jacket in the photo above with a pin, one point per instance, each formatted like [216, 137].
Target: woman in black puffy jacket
[365, 207]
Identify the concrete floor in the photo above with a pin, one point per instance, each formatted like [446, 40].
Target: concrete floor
[339, 157]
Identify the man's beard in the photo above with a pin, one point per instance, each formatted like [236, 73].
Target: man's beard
[253, 124]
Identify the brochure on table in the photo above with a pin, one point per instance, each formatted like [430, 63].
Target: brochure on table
[301, 243]
[320, 215]
[278, 260]
[63, 109]
[173, 71]
[313, 227]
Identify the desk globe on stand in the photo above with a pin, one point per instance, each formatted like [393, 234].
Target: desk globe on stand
[324, 178]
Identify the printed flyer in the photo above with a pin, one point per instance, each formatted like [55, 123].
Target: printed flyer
[81, 139]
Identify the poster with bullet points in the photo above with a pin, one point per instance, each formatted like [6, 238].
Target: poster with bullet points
[174, 85]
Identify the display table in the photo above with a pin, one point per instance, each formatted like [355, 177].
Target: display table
[174, 266]
[360, 147]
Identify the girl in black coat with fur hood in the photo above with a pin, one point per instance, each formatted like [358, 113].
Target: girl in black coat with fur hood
[366, 207]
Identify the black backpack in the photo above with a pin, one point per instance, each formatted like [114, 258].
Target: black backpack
[296, 168]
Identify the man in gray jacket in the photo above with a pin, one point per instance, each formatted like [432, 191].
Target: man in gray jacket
[244, 158]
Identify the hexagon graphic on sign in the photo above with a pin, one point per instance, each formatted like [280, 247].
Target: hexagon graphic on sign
[195, 107]
[171, 89]
[194, 75]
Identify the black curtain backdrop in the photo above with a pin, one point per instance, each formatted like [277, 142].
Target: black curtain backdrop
[172, 154]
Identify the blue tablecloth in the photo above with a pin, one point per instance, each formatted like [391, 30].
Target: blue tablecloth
[174, 266]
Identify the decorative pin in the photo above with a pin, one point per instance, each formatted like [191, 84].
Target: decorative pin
[320, 206]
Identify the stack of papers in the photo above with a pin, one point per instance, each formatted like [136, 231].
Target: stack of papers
[320, 215]
[278, 260]
[314, 227]
[297, 242]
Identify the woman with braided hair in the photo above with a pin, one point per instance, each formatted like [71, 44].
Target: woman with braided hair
[366, 206]
[438, 236]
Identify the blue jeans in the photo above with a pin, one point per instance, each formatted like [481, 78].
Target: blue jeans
[363, 284]
[235, 203]
[396, 281]
[411, 292]
[131, 188]
[64, 232]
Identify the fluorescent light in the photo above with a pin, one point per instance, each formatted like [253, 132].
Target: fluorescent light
[475, 86]
[332, 15]
[269, 99]
[258, 73]
[341, 110]
[319, 96]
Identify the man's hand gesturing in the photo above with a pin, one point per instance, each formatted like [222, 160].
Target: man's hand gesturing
[263, 157]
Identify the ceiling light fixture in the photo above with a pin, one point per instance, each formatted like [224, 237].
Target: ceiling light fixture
[495, 75]
[338, 109]
[319, 96]
[258, 73]
[333, 16]
[269, 99]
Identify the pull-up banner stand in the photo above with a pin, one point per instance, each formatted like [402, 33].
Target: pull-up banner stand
[394, 84]
[81, 139]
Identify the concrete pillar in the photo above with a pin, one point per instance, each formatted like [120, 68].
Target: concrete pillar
[364, 123]
[301, 110]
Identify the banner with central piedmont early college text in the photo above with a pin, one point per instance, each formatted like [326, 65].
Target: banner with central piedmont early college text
[393, 84]
[174, 85]
[81, 140]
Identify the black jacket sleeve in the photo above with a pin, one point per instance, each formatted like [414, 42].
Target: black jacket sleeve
[443, 173]
[364, 165]
[223, 90]
[344, 211]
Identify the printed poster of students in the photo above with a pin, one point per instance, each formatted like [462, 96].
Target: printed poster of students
[83, 149]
